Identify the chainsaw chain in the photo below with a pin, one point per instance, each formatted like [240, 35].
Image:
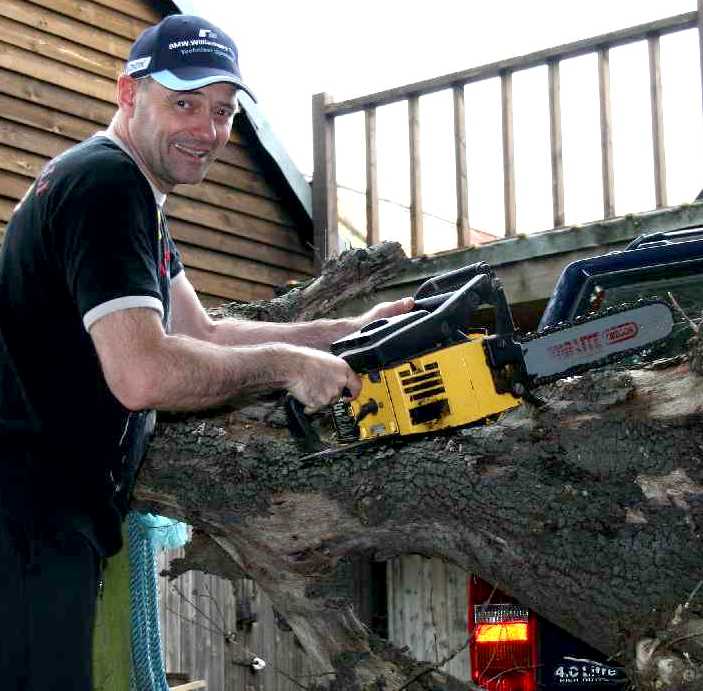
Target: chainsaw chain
[584, 319]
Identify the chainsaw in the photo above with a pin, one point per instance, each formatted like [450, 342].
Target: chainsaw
[429, 369]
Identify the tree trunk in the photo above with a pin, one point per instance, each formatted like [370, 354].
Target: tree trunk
[588, 509]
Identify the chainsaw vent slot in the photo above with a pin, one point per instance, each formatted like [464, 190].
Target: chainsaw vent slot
[428, 393]
[429, 412]
[420, 378]
[418, 387]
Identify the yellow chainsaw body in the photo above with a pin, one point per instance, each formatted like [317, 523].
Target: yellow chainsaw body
[449, 387]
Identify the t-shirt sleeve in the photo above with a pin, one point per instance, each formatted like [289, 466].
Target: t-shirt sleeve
[107, 237]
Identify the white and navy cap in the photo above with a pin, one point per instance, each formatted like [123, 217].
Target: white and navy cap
[183, 53]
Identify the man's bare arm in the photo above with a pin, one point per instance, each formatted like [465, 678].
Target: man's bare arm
[189, 317]
[146, 368]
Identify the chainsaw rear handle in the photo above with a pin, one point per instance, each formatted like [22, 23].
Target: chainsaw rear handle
[300, 424]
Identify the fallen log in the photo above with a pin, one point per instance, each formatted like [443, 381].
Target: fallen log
[588, 509]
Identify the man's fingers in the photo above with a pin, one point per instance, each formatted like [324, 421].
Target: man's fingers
[353, 385]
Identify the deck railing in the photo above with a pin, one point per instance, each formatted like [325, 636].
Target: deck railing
[325, 111]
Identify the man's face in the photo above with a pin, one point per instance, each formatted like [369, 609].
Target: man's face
[178, 134]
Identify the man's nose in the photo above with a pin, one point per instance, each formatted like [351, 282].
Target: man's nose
[205, 128]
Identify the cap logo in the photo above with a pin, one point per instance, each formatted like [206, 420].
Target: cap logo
[207, 33]
[136, 65]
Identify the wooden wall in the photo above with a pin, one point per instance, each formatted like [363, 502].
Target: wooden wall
[427, 610]
[197, 610]
[59, 60]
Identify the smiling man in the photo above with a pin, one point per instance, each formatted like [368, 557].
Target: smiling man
[99, 326]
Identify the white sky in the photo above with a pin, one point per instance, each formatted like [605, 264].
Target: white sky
[292, 50]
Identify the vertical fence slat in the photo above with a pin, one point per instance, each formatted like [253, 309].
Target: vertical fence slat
[655, 89]
[372, 230]
[462, 189]
[555, 144]
[417, 244]
[606, 133]
[324, 185]
[506, 99]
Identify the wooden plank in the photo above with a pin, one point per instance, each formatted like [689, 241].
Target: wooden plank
[241, 179]
[59, 49]
[324, 182]
[32, 140]
[135, 8]
[46, 119]
[458, 624]
[7, 206]
[217, 262]
[463, 233]
[373, 234]
[98, 15]
[20, 162]
[190, 686]
[620, 37]
[655, 90]
[65, 27]
[41, 93]
[417, 241]
[606, 133]
[227, 287]
[25, 62]
[13, 186]
[556, 144]
[240, 156]
[506, 100]
[266, 232]
[234, 200]
[428, 632]
[241, 247]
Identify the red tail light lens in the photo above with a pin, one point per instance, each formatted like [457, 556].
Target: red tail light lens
[503, 646]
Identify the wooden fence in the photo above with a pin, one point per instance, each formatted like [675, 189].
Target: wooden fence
[210, 627]
[325, 111]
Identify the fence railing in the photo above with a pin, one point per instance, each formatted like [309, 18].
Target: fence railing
[325, 111]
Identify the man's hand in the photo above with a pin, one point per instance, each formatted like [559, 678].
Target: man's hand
[385, 310]
[318, 379]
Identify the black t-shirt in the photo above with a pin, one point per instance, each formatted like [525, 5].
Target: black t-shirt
[87, 239]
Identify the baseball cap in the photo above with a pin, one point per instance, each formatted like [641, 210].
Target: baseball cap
[184, 52]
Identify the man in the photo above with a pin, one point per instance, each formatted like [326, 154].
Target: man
[99, 325]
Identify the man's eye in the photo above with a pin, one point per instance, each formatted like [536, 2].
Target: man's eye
[182, 103]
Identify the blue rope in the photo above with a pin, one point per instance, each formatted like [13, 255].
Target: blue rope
[145, 534]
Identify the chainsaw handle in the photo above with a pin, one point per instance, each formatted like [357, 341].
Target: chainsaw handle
[299, 424]
[451, 281]
[434, 293]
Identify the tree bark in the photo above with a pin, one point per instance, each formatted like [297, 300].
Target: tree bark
[588, 509]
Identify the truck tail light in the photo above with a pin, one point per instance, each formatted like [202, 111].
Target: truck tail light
[503, 640]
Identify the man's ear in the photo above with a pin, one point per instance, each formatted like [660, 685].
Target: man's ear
[126, 93]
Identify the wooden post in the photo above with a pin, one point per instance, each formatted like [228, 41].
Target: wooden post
[462, 190]
[506, 83]
[655, 89]
[373, 235]
[555, 144]
[417, 244]
[606, 133]
[324, 182]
